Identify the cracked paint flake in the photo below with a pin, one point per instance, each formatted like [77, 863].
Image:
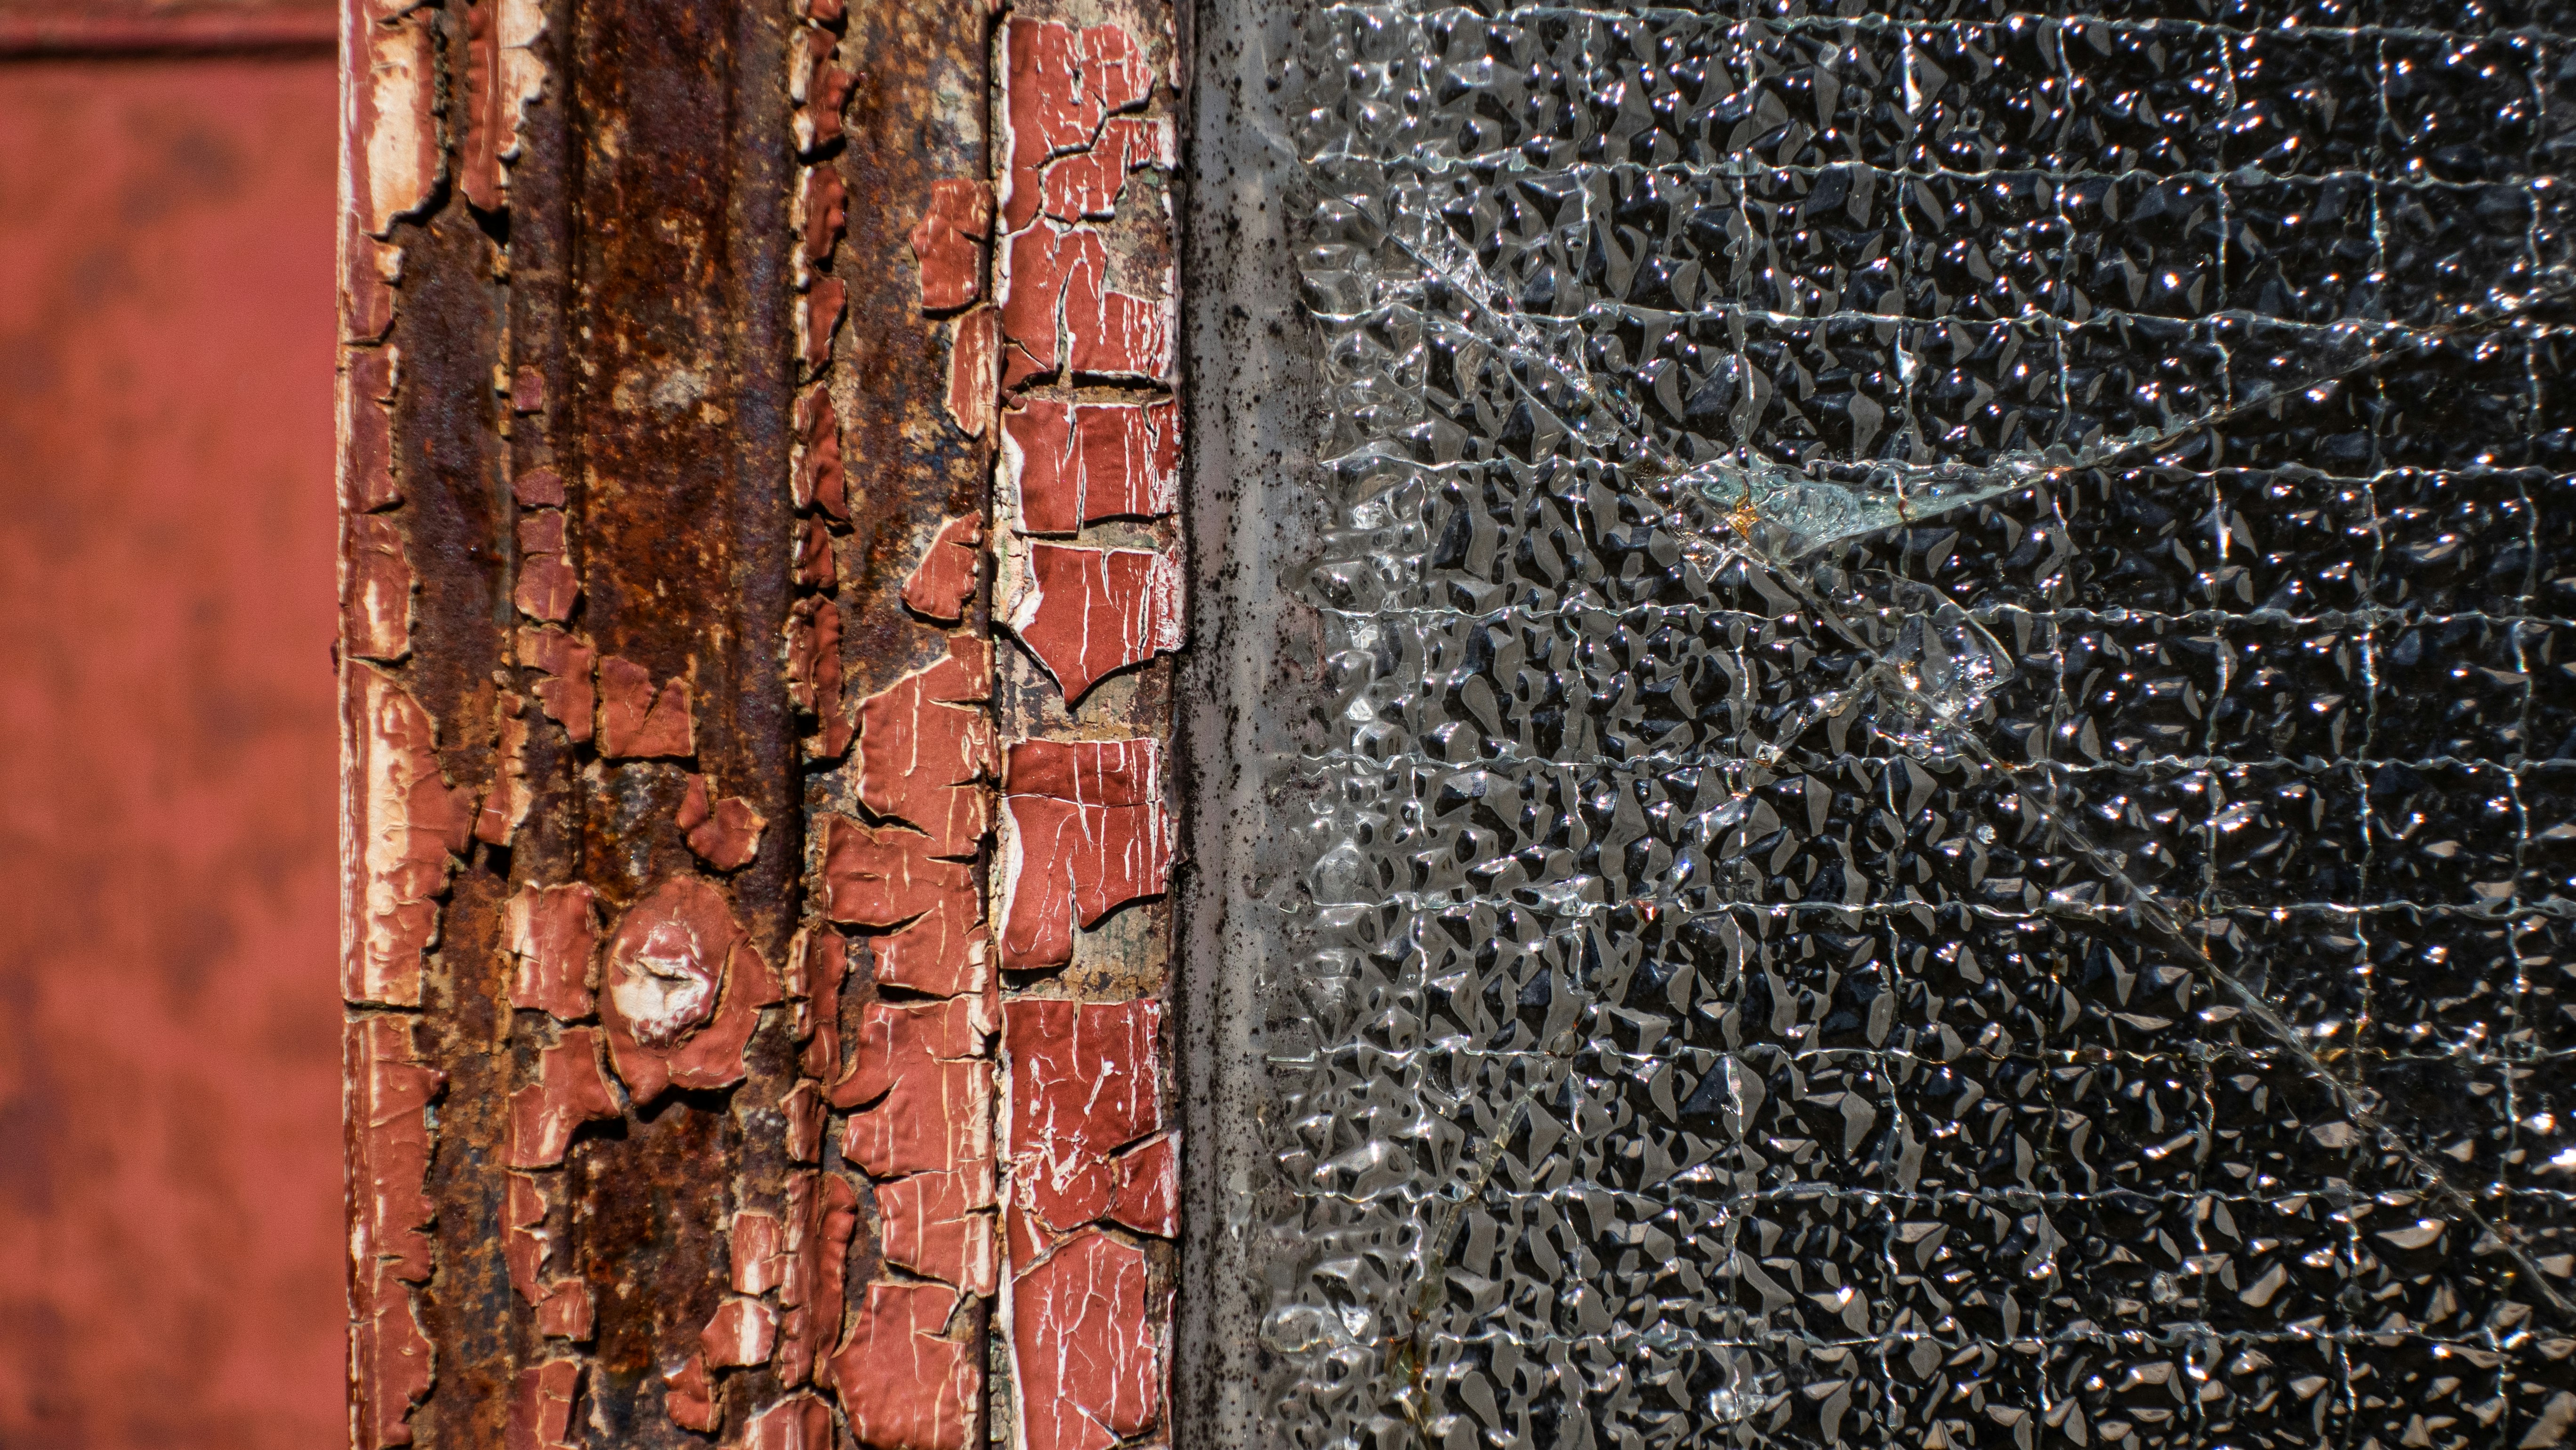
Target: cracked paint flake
[818, 481]
[638, 722]
[813, 647]
[822, 213]
[1086, 184]
[541, 1402]
[923, 748]
[1085, 1082]
[896, 1039]
[394, 161]
[1089, 833]
[1059, 86]
[551, 934]
[724, 832]
[940, 1226]
[1072, 464]
[505, 805]
[948, 242]
[806, 1114]
[1059, 312]
[817, 319]
[756, 1249]
[369, 272]
[503, 77]
[690, 1402]
[547, 587]
[563, 1305]
[799, 1422]
[818, 962]
[822, 1216]
[974, 353]
[391, 1359]
[1087, 613]
[743, 1332]
[367, 480]
[945, 952]
[391, 1091]
[1084, 1341]
[538, 488]
[410, 824]
[819, 87]
[884, 877]
[904, 1384]
[376, 591]
[571, 1089]
[565, 692]
[681, 989]
[943, 583]
[815, 567]
[937, 1116]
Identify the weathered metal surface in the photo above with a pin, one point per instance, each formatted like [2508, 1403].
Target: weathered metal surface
[170, 1222]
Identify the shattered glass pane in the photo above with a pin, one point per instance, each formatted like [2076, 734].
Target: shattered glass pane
[1952, 821]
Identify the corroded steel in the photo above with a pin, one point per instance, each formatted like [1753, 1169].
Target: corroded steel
[716, 870]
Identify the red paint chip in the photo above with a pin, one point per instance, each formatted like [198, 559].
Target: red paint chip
[944, 953]
[923, 747]
[944, 581]
[411, 826]
[743, 1332]
[1083, 1340]
[884, 877]
[1073, 464]
[949, 242]
[550, 933]
[724, 833]
[570, 1090]
[904, 1384]
[541, 1406]
[939, 1225]
[1089, 833]
[817, 479]
[390, 1093]
[638, 722]
[376, 591]
[565, 692]
[680, 990]
[1087, 613]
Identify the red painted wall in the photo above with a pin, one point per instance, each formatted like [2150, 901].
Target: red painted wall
[169, 1075]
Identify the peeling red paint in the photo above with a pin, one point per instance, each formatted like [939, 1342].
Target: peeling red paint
[1073, 464]
[1058, 311]
[895, 1040]
[638, 722]
[814, 674]
[816, 320]
[563, 1305]
[939, 1225]
[818, 87]
[1148, 1196]
[923, 747]
[822, 1215]
[681, 991]
[565, 692]
[816, 468]
[1086, 184]
[411, 825]
[944, 581]
[390, 1095]
[949, 241]
[538, 488]
[974, 352]
[757, 1249]
[1059, 85]
[369, 270]
[366, 429]
[922, 1069]
[904, 1384]
[806, 1115]
[822, 211]
[1083, 1346]
[1085, 1082]
[503, 77]
[724, 833]
[551, 933]
[541, 1406]
[547, 586]
[690, 1404]
[884, 877]
[743, 1332]
[527, 390]
[815, 567]
[393, 161]
[390, 1358]
[818, 962]
[945, 952]
[571, 1089]
[376, 590]
[1090, 832]
[506, 804]
[1087, 613]
[799, 1422]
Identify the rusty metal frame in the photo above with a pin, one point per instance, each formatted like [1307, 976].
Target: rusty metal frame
[759, 578]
